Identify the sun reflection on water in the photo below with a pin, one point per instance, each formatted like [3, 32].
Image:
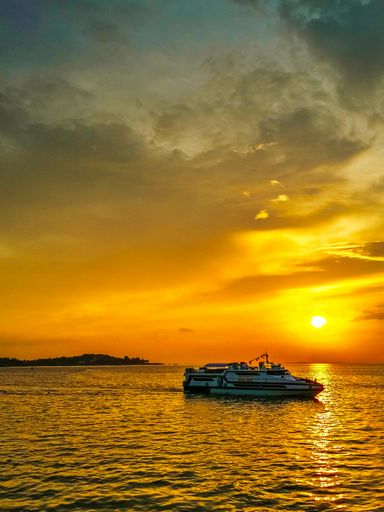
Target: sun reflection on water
[325, 451]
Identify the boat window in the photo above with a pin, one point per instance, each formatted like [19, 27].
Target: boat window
[277, 372]
[251, 374]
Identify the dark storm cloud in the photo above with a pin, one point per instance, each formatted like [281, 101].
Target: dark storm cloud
[304, 129]
[62, 149]
[113, 142]
[52, 91]
[74, 168]
[23, 106]
[348, 34]
[310, 138]
[248, 143]
[305, 119]
[79, 183]
[12, 115]
[73, 138]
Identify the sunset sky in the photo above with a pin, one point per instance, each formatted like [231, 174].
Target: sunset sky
[189, 181]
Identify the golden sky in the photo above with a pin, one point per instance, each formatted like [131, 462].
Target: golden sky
[185, 181]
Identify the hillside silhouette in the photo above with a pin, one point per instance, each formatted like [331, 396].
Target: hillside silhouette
[82, 360]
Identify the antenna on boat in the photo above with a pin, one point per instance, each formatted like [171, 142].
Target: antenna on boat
[260, 357]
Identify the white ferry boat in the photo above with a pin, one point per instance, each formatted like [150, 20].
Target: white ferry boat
[266, 379]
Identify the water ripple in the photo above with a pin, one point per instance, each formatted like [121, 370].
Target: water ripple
[127, 439]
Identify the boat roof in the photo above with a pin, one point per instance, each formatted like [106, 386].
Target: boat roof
[215, 365]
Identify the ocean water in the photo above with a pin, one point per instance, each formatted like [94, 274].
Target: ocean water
[127, 439]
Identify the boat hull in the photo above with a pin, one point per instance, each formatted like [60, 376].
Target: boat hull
[305, 392]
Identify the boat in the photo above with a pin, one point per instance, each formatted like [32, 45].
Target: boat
[264, 380]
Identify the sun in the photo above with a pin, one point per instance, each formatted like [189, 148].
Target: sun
[318, 321]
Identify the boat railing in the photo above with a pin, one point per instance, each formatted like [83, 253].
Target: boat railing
[305, 379]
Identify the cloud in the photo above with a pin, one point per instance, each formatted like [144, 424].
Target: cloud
[312, 216]
[114, 142]
[66, 167]
[262, 214]
[307, 127]
[373, 249]
[91, 189]
[110, 172]
[66, 150]
[376, 313]
[311, 138]
[349, 34]
[26, 124]
[345, 39]
[246, 150]
[324, 271]
[281, 198]
[40, 101]
[366, 251]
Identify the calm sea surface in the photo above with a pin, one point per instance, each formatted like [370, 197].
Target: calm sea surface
[127, 439]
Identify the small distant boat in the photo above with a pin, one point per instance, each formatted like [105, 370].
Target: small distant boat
[265, 380]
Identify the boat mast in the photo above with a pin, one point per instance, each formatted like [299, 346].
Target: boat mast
[265, 355]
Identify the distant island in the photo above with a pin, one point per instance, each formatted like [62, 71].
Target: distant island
[83, 360]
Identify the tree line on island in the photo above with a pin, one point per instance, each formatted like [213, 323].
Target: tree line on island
[83, 360]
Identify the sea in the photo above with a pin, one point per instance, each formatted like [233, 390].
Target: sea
[126, 438]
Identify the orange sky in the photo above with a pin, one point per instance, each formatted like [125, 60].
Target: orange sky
[185, 181]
